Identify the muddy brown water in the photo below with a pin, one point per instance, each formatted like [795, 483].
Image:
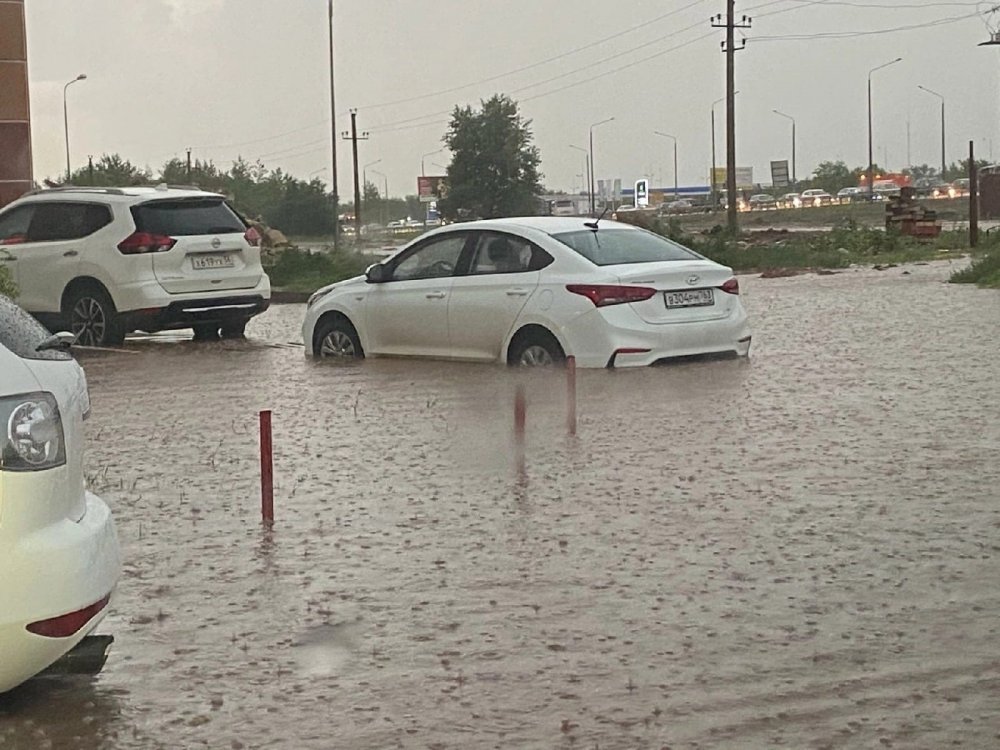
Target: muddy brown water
[797, 551]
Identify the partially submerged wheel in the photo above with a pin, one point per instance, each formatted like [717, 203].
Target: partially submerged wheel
[337, 339]
[92, 318]
[536, 349]
[235, 329]
[206, 331]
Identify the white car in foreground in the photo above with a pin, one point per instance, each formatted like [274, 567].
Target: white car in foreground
[532, 291]
[59, 557]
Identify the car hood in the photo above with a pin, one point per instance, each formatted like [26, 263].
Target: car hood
[17, 376]
[323, 291]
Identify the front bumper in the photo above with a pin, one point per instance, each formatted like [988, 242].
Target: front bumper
[63, 567]
[617, 337]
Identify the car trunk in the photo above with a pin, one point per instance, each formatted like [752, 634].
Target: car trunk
[687, 291]
[210, 253]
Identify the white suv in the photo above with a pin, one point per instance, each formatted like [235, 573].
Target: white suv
[101, 262]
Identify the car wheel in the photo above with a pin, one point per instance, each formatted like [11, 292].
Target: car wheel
[206, 331]
[536, 349]
[337, 339]
[93, 319]
[235, 329]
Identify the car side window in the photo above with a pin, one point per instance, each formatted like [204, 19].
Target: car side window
[436, 259]
[502, 253]
[14, 225]
[52, 222]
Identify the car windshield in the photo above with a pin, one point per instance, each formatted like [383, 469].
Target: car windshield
[610, 247]
[187, 217]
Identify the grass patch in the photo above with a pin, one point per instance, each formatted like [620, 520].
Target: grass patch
[296, 270]
[985, 272]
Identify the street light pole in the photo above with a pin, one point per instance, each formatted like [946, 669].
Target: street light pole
[944, 164]
[593, 204]
[81, 77]
[674, 139]
[364, 178]
[789, 117]
[586, 167]
[333, 136]
[871, 156]
[385, 196]
[423, 172]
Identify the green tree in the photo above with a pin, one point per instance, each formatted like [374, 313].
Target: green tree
[922, 173]
[7, 286]
[961, 169]
[831, 176]
[494, 167]
[204, 174]
[111, 170]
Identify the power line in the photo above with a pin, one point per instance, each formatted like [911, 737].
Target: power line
[871, 32]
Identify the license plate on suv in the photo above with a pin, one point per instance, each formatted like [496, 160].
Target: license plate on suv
[690, 298]
[209, 262]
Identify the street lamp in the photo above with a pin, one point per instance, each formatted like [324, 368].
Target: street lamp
[789, 117]
[586, 167]
[944, 164]
[674, 139]
[385, 195]
[364, 178]
[333, 135]
[593, 205]
[81, 77]
[423, 173]
[871, 157]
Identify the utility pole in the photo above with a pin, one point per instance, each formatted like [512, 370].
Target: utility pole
[729, 47]
[353, 137]
[973, 197]
[90, 168]
[189, 166]
[333, 138]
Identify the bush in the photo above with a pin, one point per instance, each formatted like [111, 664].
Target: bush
[984, 272]
[297, 270]
[7, 285]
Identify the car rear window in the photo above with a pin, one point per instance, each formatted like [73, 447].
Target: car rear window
[188, 217]
[22, 334]
[611, 247]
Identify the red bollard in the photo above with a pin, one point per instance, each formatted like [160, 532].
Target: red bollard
[571, 395]
[520, 419]
[266, 470]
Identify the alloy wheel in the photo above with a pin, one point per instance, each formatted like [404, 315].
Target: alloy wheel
[536, 356]
[88, 322]
[337, 344]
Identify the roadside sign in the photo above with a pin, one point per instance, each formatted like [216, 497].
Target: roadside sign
[641, 193]
[430, 189]
[744, 178]
[779, 173]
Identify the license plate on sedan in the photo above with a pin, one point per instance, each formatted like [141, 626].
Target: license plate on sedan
[210, 262]
[690, 298]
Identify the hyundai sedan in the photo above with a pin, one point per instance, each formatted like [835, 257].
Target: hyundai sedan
[532, 291]
[58, 549]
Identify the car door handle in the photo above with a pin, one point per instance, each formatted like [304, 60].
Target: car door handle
[434, 295]
[517, 292]
[70, 254]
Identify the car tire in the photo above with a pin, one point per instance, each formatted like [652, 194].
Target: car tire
[91, 317]
[206, 331]
[235, 329]
[536, 349]
[336, 338]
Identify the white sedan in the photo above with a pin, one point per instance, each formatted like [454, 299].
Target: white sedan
[58, 549]
[532, 291]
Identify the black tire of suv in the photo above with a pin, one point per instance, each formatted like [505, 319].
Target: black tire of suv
[92, 318]
[235, 329]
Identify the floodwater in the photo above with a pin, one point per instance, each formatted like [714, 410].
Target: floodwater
[800, 550]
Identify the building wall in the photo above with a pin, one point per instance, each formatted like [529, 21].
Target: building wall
[15, 120]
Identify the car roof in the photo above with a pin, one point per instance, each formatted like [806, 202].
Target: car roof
[547, 224]
[122, 194]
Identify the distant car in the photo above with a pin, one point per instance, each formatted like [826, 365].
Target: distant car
[58, 548]
[850, 194]
[944, 190]
[884, 189]
[531, 291]
[563, 207]
[100, 262]
[762, 202]
[790, 200]
[961, 187]
[816, 197]
[679, 206]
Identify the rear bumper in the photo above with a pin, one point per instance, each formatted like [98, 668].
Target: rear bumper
[195, 312]
[62, 568]
[617, 337]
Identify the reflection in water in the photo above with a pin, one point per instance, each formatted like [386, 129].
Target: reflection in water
[794, 551]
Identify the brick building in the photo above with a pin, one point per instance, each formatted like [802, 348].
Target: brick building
[15, 120]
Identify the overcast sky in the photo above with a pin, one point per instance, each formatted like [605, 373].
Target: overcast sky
[250, 78]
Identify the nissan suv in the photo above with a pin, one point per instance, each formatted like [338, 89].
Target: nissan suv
[101, 262]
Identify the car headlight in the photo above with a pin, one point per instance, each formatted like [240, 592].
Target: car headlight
[32, 434]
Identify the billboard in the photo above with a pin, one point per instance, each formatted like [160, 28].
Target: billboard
[744, 178]
[641, 193]
[430, 189]
[779, 173]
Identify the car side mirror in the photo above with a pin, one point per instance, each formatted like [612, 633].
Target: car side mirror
[376, 274]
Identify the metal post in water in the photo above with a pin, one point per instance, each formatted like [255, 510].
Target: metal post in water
[266, 470]
[571, 395]
[520, 419]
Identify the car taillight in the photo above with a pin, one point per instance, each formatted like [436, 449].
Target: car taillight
[731, 287]
[69, 624]
[603, 295]
[139, 243]
[252, 236]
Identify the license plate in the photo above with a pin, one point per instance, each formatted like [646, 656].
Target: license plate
[690, 298]
[209, 262]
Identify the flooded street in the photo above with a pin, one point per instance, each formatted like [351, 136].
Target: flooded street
[800, 550]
